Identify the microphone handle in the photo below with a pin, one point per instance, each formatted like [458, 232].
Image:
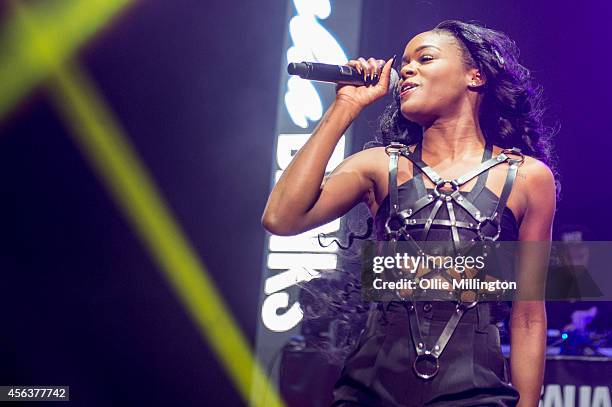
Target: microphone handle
[314, 71]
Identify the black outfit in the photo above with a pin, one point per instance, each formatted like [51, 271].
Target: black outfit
[472, 369]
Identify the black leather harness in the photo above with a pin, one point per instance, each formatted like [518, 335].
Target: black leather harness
[426, 365]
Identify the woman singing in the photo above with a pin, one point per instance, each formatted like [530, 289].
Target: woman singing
[463, 146]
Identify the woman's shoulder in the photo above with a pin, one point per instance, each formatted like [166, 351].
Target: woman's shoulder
[537, 176]
[534, 175]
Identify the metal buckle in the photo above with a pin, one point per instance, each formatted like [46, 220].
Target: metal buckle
[466, 305]
[420, 360]
[395, 146]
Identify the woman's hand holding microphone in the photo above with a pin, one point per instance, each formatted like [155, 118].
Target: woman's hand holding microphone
[377, 72]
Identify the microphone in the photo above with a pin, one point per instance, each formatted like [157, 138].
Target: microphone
[341, 74]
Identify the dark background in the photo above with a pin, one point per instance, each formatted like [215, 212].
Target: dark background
[195, 85]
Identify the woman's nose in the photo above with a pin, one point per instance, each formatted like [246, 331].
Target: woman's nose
[407, 71]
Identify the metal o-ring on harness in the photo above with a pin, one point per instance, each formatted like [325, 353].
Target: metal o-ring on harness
[421, 361]
[442, 182]
[395, 147]
[426, 364]
[399, 217]
[514, 151]
[483, 221]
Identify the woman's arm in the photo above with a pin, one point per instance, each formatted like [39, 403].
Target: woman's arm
[302, 199]
[528, 350]
[528, 318]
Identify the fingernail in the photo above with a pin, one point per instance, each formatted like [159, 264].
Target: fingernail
[393, 61]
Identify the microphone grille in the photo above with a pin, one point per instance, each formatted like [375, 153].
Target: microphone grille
[393, 82]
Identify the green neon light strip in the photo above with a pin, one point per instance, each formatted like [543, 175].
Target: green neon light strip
[108, 150]
[64, 25]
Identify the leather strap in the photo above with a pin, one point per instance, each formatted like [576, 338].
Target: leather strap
[436, 179]
[393, 150]
[393, 192]
[505, 194]
[431, 217]
[423, 353]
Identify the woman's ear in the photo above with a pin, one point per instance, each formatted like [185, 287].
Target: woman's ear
[475, 79]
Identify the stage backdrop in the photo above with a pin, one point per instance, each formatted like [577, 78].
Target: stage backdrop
[326, 32]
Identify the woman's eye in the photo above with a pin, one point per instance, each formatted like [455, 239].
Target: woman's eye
[426, 58]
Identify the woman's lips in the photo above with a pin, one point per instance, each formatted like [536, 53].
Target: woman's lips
[408, 91]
